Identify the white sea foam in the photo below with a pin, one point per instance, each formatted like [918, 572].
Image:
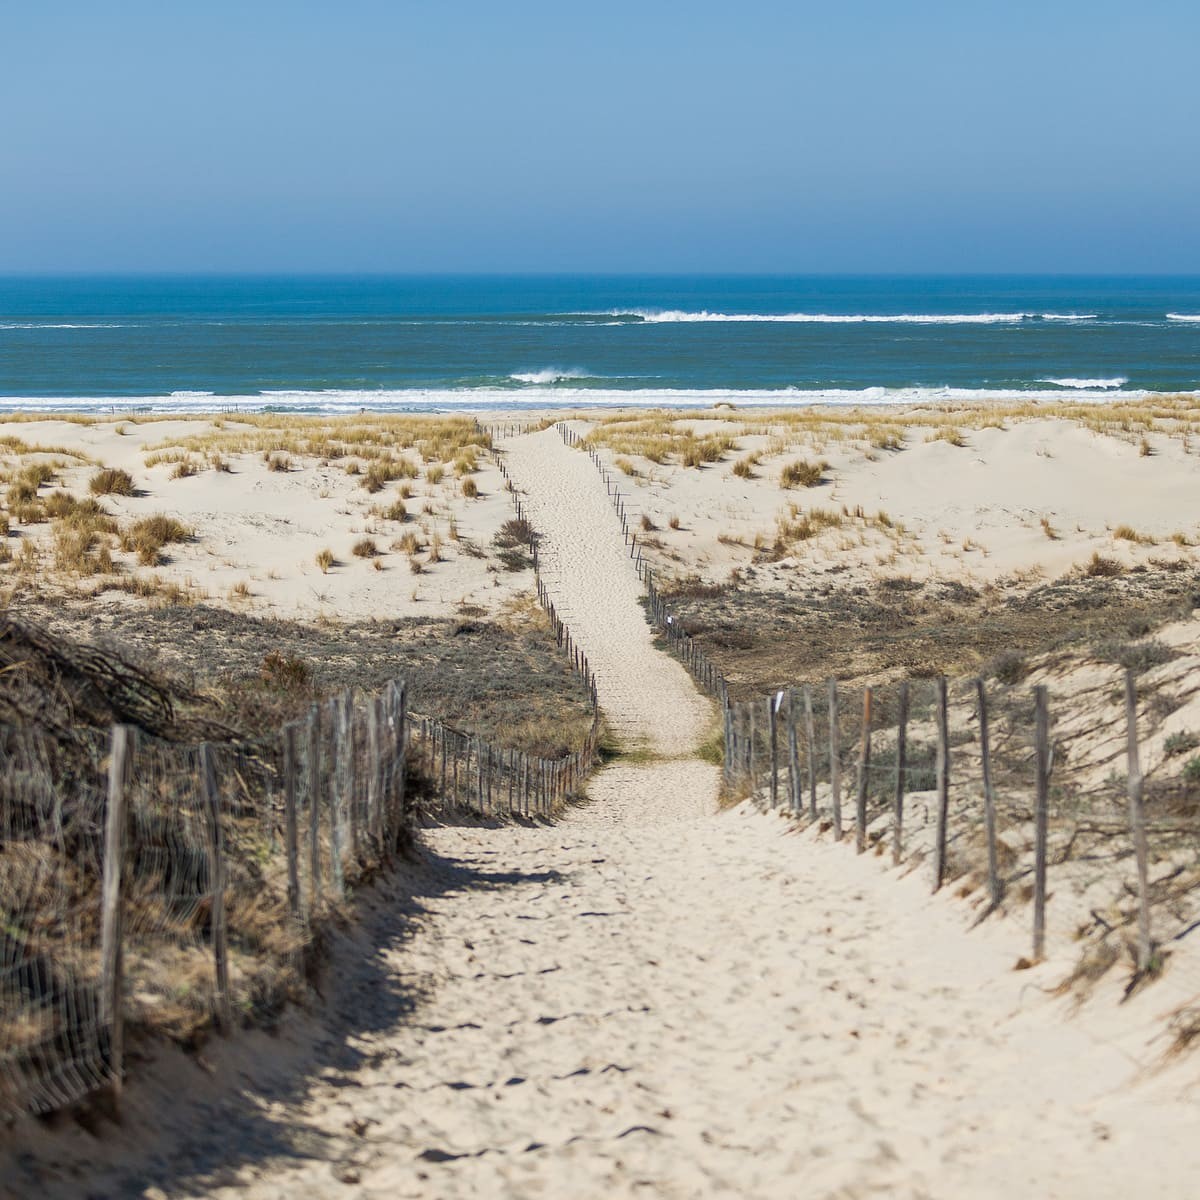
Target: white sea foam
[550, 375]
[1183, 316]
[653, 316]
[1088, 384]
[56, 325]
[1069, 316]
[482, 399]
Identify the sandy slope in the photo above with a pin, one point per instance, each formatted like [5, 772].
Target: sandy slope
[650, 999]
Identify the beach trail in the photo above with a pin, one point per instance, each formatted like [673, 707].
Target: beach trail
[655, 998]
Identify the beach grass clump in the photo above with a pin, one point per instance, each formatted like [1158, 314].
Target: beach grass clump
[1049, 529]
[1102, 567]
[744, 467]
[470, 489]
[625, 466]
[185, 468]
[396, 511]
[325, 560]
[950, 434]
[79, 550]
[148, 536]
[1126, 533]
[435, 473]
[111, 481]
[278, 462]
[803, 473]
[365, 548]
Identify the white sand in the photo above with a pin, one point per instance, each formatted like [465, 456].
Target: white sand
[973, 512]
[651, 999]
[263, 529]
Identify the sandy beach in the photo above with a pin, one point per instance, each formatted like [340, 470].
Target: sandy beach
[657, 996]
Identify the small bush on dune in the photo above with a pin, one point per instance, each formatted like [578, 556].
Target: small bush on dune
[469, 488]
[325, 560]
[365, 548]
[111, 481]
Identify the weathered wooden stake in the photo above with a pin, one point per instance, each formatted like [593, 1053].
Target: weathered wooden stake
[111, 964]
[773, 725]
[864, 768]
[1041, 817]
[901, 780]
[216, 876]
[995, 887]
[1137, 823]
[943, 783]
[314, 806]
[795, 792]
[810, 751]
[835, 773]
[289, 809]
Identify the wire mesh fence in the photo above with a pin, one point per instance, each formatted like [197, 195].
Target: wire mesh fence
[146, 884]
[995, 789]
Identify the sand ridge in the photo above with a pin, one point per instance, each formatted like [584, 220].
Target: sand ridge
[651, 998]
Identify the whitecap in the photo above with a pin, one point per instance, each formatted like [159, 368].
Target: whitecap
[1088, 384]
[1183, 316]
[550, 375]
[653, 316]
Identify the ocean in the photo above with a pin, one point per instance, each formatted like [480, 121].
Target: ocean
[440, 343]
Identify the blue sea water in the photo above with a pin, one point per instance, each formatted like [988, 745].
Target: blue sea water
[340, 344]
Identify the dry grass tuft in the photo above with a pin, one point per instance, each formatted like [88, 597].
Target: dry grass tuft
[111, 481]
[803, 473]
[365, 548]
[325, 560]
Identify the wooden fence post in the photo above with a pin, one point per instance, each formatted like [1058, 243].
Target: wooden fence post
[864, 768]
[1041, 819]
[374, 800]
[989, 797]
[1137, 823]
[795, 792]
[314, 807]
[810, 748]
[336, 803]
[348, 739]
[289, 809]
[216, 875]
[753, 769]
[943, 783]
[901, 779]
[773, 703]
[835, 781]
[401, 768]
[111, 964]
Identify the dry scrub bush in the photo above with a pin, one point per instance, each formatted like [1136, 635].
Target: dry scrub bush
[325, 560]
[111, 481]
[469, 488]
[395, 511]
[365, 548]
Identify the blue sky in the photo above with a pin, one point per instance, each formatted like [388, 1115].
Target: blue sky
[408, 135]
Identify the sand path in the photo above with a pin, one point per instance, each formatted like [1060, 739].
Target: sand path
[651, 999]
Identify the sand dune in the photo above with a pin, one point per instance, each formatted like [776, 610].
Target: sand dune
[652, 998]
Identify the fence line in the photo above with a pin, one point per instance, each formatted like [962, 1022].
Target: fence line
[979, 765]
[679, 641]
[1009, 777]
